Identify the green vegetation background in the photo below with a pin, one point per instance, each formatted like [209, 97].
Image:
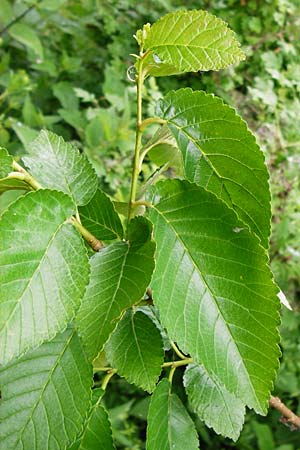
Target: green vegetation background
[63, 67]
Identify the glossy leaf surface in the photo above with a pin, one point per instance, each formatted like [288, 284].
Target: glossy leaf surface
[135, 349]
[120, 274]
[45, 396]
[214, 290]
[100, 218]
[217, 407]
[57, 164]
[169, 425]
[189, 41]
[44, 271]
[220, 153]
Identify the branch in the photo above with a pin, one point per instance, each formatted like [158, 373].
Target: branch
[288, 417]
[17, 19]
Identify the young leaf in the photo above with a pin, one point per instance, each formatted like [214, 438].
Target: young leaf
[11, 184]
[57, 164]
[169, 425]
[217, 407]
[214, 290]
[120, 274]
[220, 154]
[45, 395]
[100, 218]
[6, 183]
[97, 433]
[188, 41]
[135, 350]
[44, 271]
[162, 149]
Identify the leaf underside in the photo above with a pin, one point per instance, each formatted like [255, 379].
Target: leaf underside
[120, 274]
[44, 271]
[45, 396]
[220, 153]
[214, 290]
[169, 425]
[129, 352]
[217, 407]
[189, 41]
[57, 164]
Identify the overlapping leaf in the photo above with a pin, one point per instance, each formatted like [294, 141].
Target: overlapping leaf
[220, 153]
[7, 183]
[129, 352]
[217, 407]
[97, 432]
[45, 396]
[214, 290]
[56, 164]
[120, 274]
[169, 425]
[6, 162]
[44, 271]
[100, 218]
[188, 41]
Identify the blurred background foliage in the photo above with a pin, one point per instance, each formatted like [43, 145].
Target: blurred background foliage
[63, 66]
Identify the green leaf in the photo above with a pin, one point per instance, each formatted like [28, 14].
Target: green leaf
[45, 396]
[217, 407]
[6, 12]
[214, 290]
[120, 275]
[97, 433]
[57, 164]
[28, 37]
[220, 154]
[162, 149]
[9, 184]
[100, 218]
[169, 425]
[135, 350]
[65, 93]
[188, 41]
[44, 271]
[6, 162]
[25, 134]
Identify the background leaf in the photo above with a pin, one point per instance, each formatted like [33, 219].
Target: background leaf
[100, 218]
[188, 41]
[135, 349]
[120, 274]
[44, 271]
[214, 290]
[169, 425]
[220, 153]
[45, 395]
[27, 36]
[217, 407]
[57, 164]
[6, 162]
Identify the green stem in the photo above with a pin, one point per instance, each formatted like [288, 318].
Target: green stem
[150, 121]
[107, 378]
[182, 362]
[177, 351]
[138, 139]
[22, 174]
[171, 374]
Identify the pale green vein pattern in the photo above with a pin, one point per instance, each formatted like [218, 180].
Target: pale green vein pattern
[100, 218]
[188, 41]
[169, 425]
[44, 271]
[120, 275]
[97, 432]
[217, 407]
[57, 164]
[45, 396]
[129, 352]
[221, 154]
[214, 290]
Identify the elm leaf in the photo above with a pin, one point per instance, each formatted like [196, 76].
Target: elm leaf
[214, 290]
[44, 271]
[135, 349]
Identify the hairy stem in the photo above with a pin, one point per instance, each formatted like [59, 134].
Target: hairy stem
[288, 417]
